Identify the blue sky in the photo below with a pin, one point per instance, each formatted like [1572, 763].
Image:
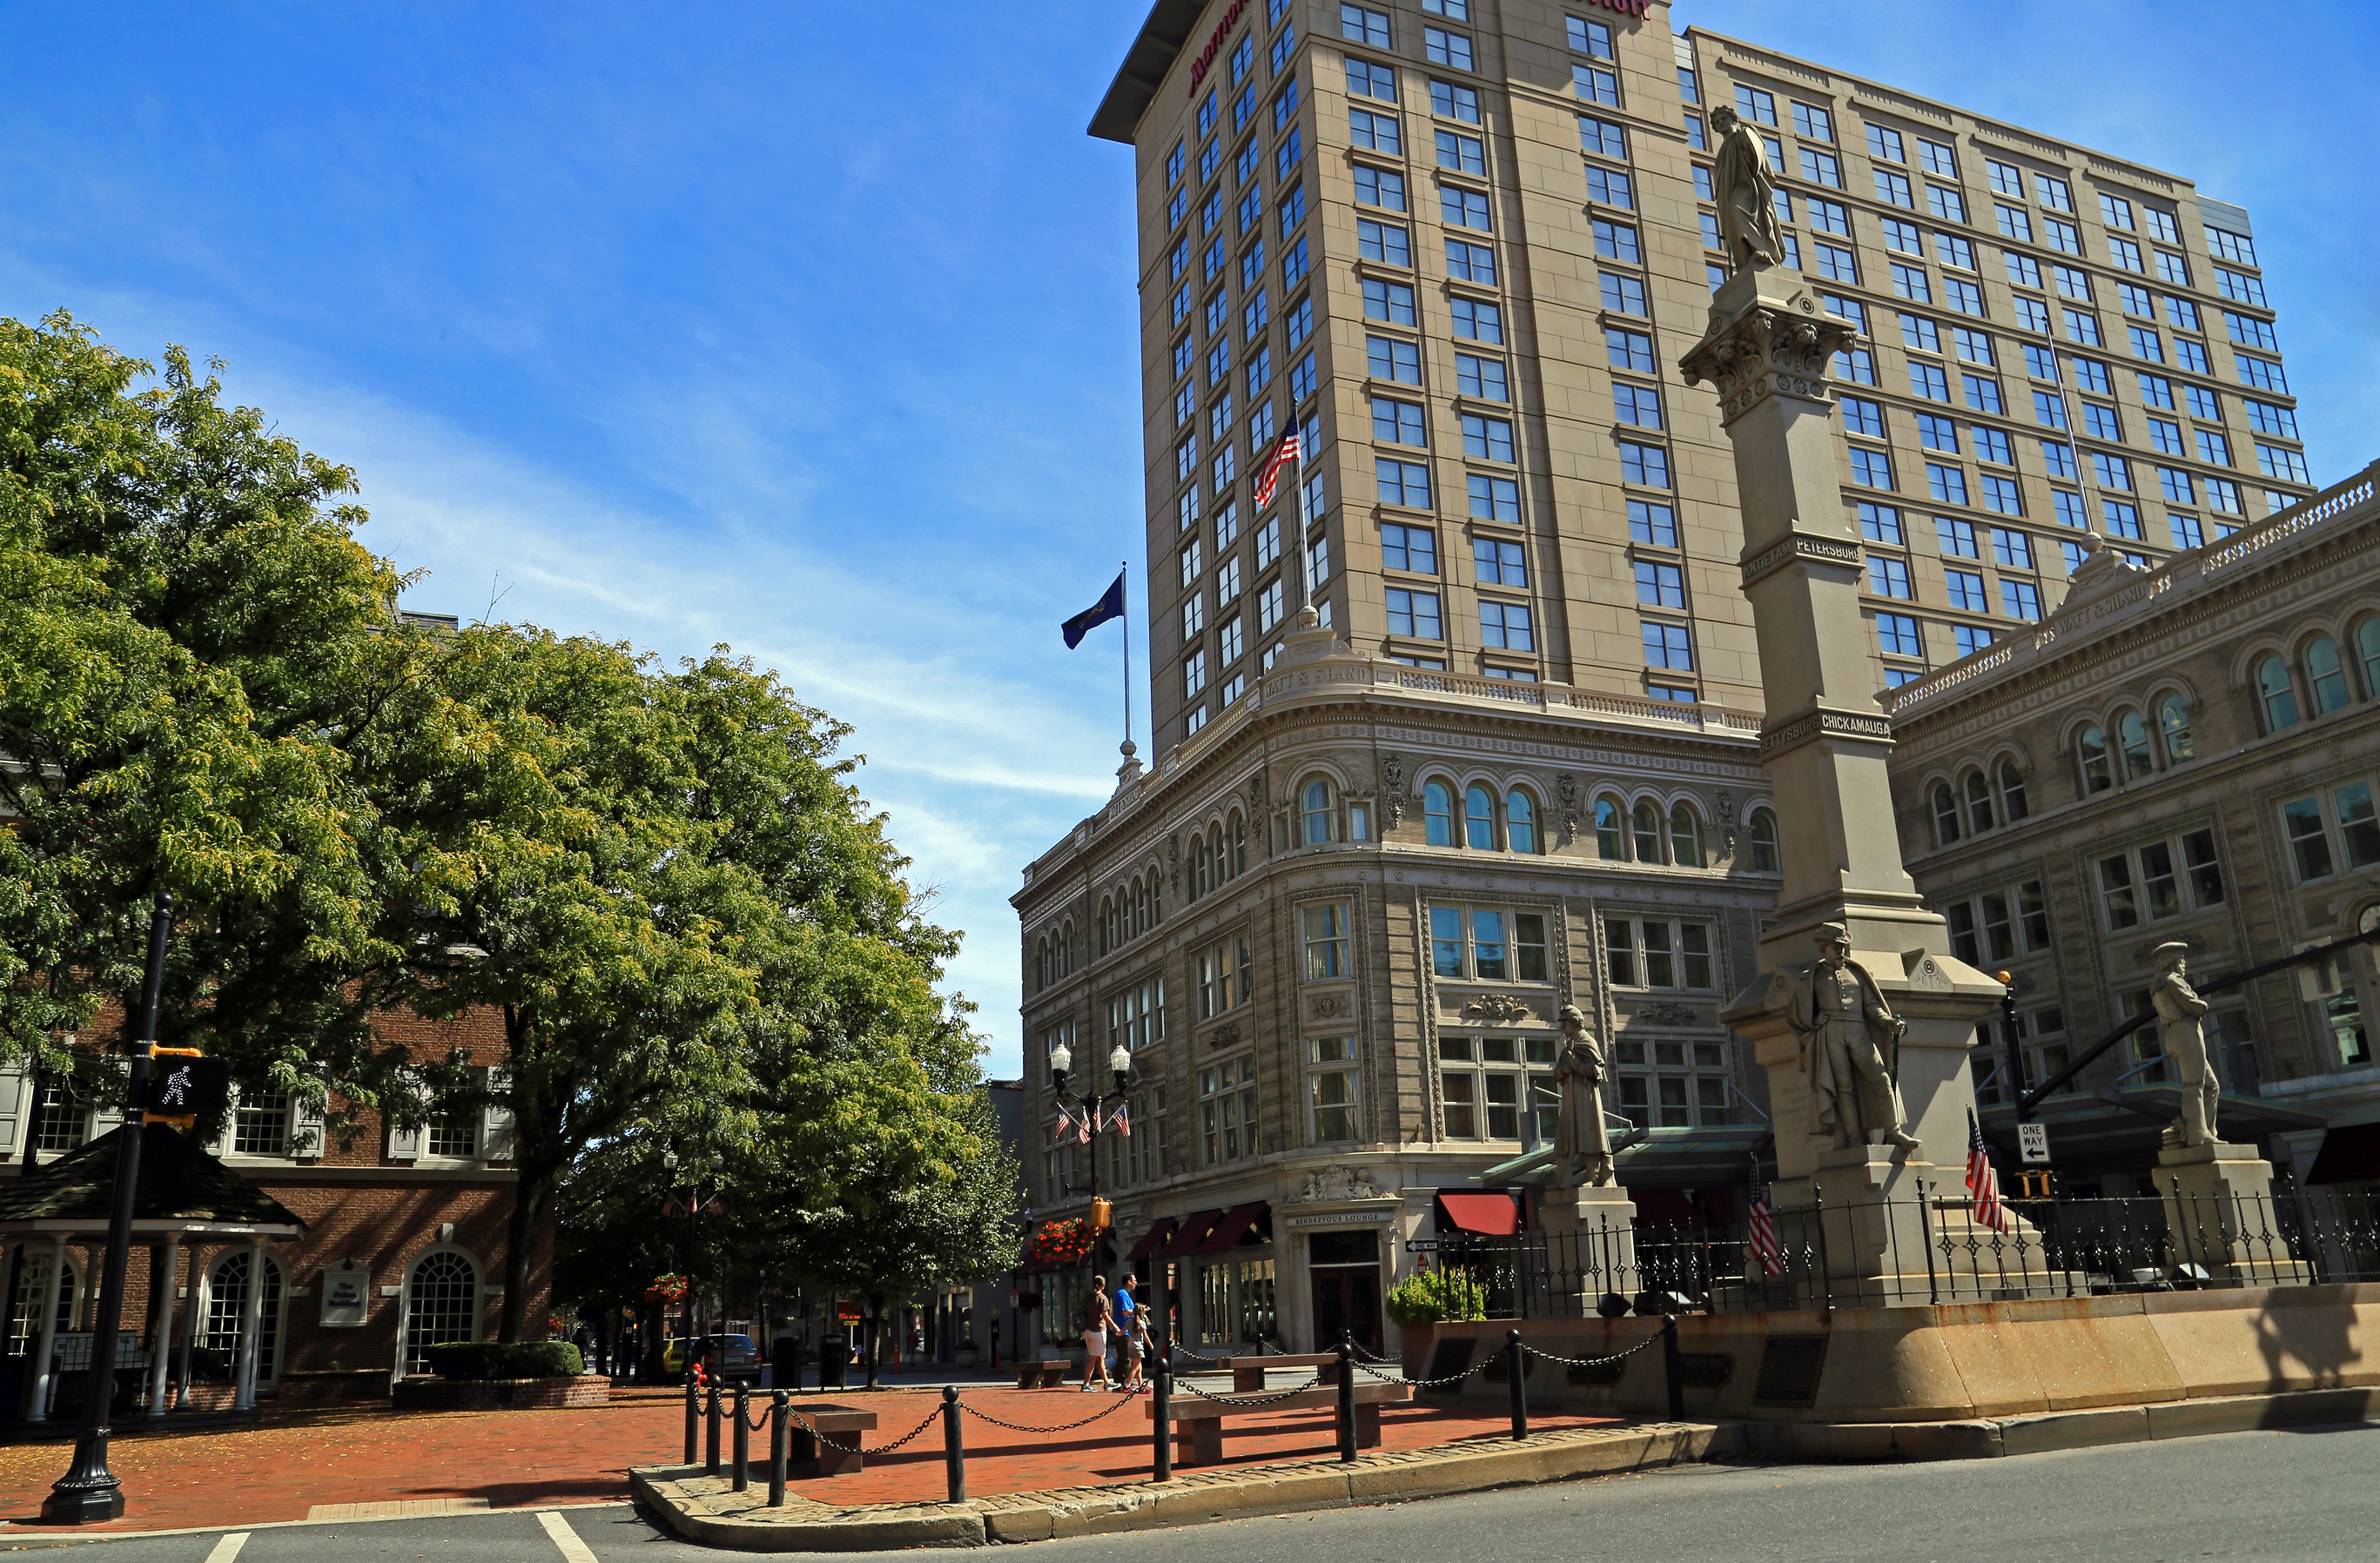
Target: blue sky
[810, 329]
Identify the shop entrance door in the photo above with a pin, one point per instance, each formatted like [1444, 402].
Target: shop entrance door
[1346, 1278]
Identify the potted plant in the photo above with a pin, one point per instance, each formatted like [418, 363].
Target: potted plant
[1425, 1300]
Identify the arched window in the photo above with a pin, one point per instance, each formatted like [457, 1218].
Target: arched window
[442, 1303]
[32, 1282]
[1066, 950]
[2011, 792]
[1198, 881]
[2326, 675]
[1648, 831]
[2173, 727]
[1685, 836]
[1156, 896]
[2091, 753]
[1140, 909]
[1520, 822]
[1107, 925]
[1610, 832]
[1765, 859]
[1219, 860]
[2276, 695]
[1239, 846]
[1438, 814]
[2367, 650]
[1479, 819]
[227, 1296]
[2132, 739]
[1317, 812]
[1946, 815]
[1979, 801]
[1041, 962]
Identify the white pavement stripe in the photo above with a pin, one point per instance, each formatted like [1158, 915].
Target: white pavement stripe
[228, 1548]
[572, 1549]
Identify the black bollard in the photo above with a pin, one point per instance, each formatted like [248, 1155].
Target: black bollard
[711, 1433]
[1515, 1376]
[1673, 1368]
[954, 1445]
[1161, 1406]
[693, 1415]
[778, 1416]
[1346, 1395]
[739, 1475]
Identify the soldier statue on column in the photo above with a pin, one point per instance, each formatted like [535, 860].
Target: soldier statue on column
[2182, 1028]
[1850, 1048]
[1744, 188]
[1582, 1142]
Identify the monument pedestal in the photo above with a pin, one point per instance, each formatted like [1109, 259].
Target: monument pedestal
[1591, 1242]
[2218, 1214]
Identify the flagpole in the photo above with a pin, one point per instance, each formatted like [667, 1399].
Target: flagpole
[1304, 560]
[1127, 652]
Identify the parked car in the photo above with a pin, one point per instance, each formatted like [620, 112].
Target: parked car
[730, 1358]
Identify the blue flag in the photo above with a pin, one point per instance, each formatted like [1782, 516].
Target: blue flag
[1109, 606]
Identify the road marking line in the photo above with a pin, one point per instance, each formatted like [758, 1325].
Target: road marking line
[572, 1549]
[228, 1548]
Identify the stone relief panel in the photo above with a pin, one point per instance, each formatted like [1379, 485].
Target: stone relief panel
[1330, 1185]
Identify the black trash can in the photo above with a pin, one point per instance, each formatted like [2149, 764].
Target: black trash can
[785, 1363]
[834, 1352]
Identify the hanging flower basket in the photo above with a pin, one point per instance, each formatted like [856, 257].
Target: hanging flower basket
[1061, 1242]
[666, 1289]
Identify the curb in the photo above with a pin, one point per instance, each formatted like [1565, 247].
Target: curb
[701, 1509]
[2082, 1428]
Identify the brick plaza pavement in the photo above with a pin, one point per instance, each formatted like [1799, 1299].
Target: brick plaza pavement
[293, 1462]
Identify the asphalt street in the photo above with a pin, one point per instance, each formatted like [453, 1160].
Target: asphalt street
[2306, 1496]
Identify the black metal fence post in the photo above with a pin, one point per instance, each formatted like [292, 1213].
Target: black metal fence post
[954, 1444]
[711, 1433]
[739, 1475]
[693, 1416]
[1671, 1368]
[780, 1402]
[1515, 1372]
[1160, 1407]
[1346, 1395]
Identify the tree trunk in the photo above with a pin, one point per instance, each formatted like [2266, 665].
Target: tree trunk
[530, 1196]
[655, 1334]
[875, 1328]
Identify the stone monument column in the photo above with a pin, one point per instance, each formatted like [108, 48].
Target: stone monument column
[1824, 745]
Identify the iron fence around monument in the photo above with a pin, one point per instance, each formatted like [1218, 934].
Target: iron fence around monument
[1896, 1253]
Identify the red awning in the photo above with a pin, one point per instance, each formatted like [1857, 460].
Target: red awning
[1186, 1236]
[1489, 1215]
[2349, 1154]
[1154, 1239]
[1235, 1224]
[1664, 1208]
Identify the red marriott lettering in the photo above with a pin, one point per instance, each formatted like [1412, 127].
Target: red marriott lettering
[1206, 56]
[1627, 8]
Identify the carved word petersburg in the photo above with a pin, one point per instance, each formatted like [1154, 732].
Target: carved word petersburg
[1206, 56]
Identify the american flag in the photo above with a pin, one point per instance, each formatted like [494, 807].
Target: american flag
[1291, 448]
[1762, 1226]
[1065, 1121]
[1121, 1120]
[1982, 1181]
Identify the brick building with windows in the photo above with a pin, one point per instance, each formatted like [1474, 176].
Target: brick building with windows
[403, 1243]
[1511, 761]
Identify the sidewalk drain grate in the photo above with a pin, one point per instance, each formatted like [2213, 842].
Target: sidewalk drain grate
[400, 1508]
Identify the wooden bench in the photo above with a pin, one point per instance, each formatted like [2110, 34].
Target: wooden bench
[1048, 1373]
[807, 1455]
[1198, 1423]
[1248, 1372]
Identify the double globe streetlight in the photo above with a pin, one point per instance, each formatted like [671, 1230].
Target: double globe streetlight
[1061, 1058]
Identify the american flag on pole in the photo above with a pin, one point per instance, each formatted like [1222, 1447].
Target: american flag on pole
[1761, 1226]
[1982, 1181]
[1121, 1120]
[1291, 448]
[1065, 1121]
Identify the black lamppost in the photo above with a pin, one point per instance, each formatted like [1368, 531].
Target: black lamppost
[669, 1166]
[1061, 1058]
[89, 1491]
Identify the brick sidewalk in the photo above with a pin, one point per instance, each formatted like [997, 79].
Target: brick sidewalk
[288, 1465]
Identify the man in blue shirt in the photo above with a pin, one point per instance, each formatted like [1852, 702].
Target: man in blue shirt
[1132, 1334]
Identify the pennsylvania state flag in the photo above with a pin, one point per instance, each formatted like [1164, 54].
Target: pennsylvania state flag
[1109, 606]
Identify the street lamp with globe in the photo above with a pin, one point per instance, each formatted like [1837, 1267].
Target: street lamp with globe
[1061, 1060]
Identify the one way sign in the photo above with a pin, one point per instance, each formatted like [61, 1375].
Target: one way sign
[2032, 1144]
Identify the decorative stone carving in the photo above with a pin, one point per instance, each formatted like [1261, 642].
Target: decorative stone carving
[1173, 868]
[1664, 1014]
[1393, 789]
[1770, 350]
[1826, 724]
[1566, 789]
[1224, 1036]
[1498, 1008]
[1746, 190]
[1330, 1006]
[1330, 1185]
[1726, 826]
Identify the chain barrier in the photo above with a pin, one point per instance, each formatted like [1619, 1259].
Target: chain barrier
[1249, 1399]
[1593, 1361]
[820, 1434]
[1425, 1383]
[1113, 1406]
[1201, 1356]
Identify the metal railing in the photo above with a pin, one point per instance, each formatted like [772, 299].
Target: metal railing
[1900, 1251]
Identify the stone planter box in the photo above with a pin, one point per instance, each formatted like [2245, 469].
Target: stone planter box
[1418, 1341]
[345, 1386]
[501, 1394]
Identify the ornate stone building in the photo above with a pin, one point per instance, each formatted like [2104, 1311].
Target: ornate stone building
[1335, 930]
[2188, 753]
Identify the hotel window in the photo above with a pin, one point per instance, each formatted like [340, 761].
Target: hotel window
[1414, 615]
[1647, 952]
[1669, 647]
[1484, 1086]
[1378, 187]
[1895, 189]
[1364, 26]
[1820, 168]
[1652, 523]
[261, 1124]
[1226, 975]
[1227, 1110]
[1375, 132]
[1324, 929]
[2042, 1035]
[1998, 925]
[2161, 879]
[1505, 626]
[1596, 85]
[1815, 123]
[1689, 1084]
[1331, 1091]
[2005, 178]
[1440, 46]
[1645, 465]
[1610, 187]
[1485, 944]
[2254, 333]
[1885, 144]
[1465, 155]
[1450, 101]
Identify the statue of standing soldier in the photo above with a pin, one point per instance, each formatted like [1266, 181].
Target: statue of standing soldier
[1744, 188]
[2182, 1029]
[1582, 1142]
[1850, 1048]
